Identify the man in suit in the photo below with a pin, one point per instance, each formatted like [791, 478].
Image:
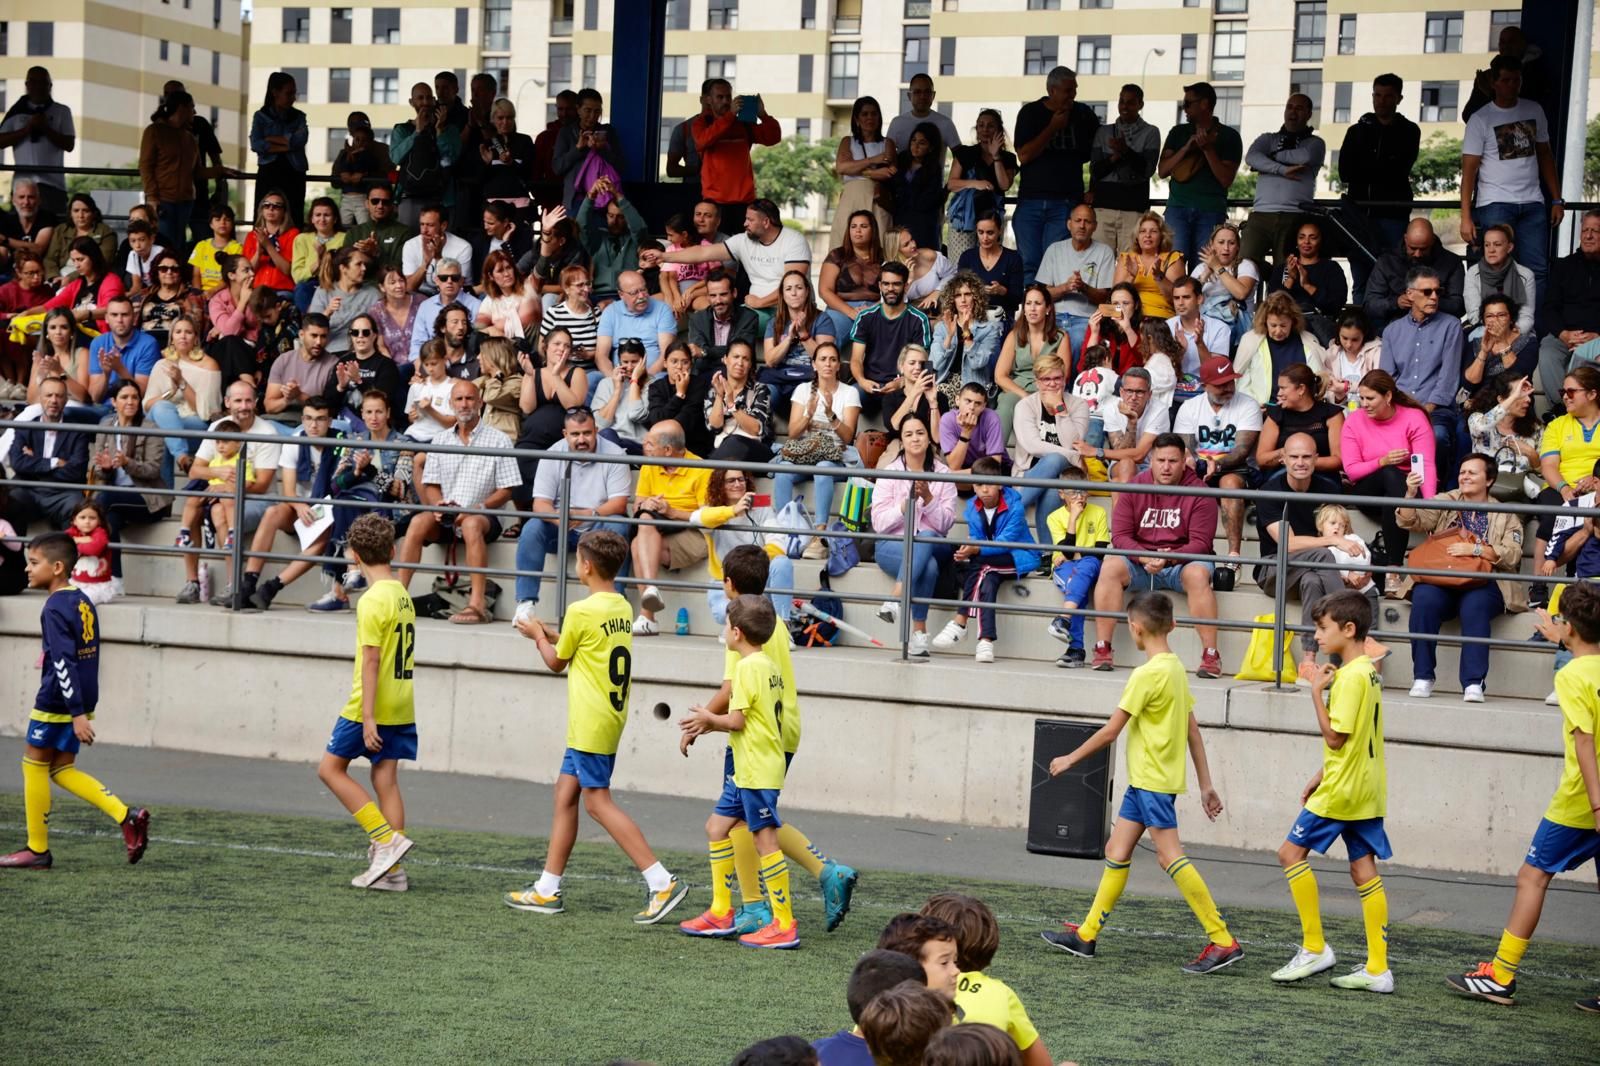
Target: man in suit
[43, 453]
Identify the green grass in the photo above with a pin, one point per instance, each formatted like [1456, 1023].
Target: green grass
[210, 953]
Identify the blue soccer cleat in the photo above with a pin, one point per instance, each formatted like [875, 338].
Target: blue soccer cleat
[838, 884]
[752, 916]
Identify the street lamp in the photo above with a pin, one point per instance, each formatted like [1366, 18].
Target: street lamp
[1145, 67]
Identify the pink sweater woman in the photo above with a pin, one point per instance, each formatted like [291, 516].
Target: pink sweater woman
[1377, 445]
[935, 514]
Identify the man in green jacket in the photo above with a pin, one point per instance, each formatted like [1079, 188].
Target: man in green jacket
[613, 245]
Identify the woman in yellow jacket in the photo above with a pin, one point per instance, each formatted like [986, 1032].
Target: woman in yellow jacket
[731, 516]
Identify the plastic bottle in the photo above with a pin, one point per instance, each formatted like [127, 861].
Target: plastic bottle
[682, 628]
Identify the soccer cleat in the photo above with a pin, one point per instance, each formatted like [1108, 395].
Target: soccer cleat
[26, 859]
[529, 900]
[136, 833]
[752, 916]
[1362, 981]
[919, 644]
[838, 885]
[1210, 664]
[889, 611]
[650, 599]
[1590, 1006]
[773, 935]
[1102, 656]
[1480, 984]
[1472, 694]
[1070, 941]
[659, 904]
[1421, 689]
[952, 634]
[384, 858]
[267, 591]
[1306, 964]
[715, 926]
[1215, 958]
[1058, 629]
[190, 593]
[393, 881]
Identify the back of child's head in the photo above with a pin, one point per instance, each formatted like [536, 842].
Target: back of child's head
[974, 1044]
[977, 933]
[907, 932]
[878, 971]
[746, 568]
[1094, 355]
[56, 548]
[1580, 607]
[1152, 610]
[371, 538]
[603, 550]
[987, 466]
[777, 1051]
[753, 617]
[227, 425]
[1348, 606]
[1333, 510]
[898, 1024]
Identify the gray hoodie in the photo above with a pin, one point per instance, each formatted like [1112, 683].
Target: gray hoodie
[1270, 157]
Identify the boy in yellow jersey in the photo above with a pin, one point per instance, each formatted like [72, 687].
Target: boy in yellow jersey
[1081, 524]
[749, 797]
[1347, 798]
[1566, 837]
[596, 640]
[744, 573]
[1160, 707]
[379, 720]
[981, 997]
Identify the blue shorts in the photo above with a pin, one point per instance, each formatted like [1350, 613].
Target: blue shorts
[399, 742]
[1152, 809]
[757, 808]
[1361, 838]
[54, 736]
[1167, 579]
[1559, 848]
[591, 770]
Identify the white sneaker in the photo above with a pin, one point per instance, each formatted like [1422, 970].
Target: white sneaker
[1306, 964]
[1552, 700]
[118, 590]
[524, 613]
[951, 635]
[393, 881]
[1421, 690]
[1362, 981]
[645, 627]
[650, 599]
[985, 651]
[889, 611]
[1472, 694]
[919, 644]
[385, 857]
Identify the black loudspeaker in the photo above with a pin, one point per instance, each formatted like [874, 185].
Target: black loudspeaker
[1069, 815]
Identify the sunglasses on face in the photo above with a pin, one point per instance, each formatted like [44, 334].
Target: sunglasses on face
[453, 279]
[272, 205]
[1426, 292]
[379, 200]
[166, 268]
[1570, 393]
[361, 333]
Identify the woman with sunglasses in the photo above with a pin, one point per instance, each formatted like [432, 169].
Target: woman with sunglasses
[344, 295]
[168, 299]
[363, 369]
[24, 290]
[270, 243]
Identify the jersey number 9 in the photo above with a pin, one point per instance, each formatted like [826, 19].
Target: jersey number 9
[621, 667]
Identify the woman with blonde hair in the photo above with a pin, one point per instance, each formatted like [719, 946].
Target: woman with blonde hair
[929, 267]
[501, 385]
[1278, 340]
[1151, 266]
[507, 158]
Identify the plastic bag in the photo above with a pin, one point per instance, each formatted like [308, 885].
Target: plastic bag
[1257, 665]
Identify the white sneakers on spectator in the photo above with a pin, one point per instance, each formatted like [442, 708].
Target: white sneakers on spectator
[650, 599]
[1552, 700]
[985, 651]
[1421, 690]
[645, 627]
[919, 644]
[384, 858]
[817, 549]
[889, 611]
[524, 613]
[951, 635]
[1472, 694]
[329, 601]
[117, 589]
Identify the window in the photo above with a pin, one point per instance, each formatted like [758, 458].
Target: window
[5, 38]
[1044, 5]
[677, 14]
[1310, 30]
[337, 138]
[162, 51]
[947, 57]
[1094, 55]
[844, 70]
[497, 26]
[385, 25]
[664, 140]
[1188, 53]
[1230, 106]
[302, 81]
[847, 16]
[591, 74]
[560, 68]
[217, 114]
[339, 85]
[722, 15]
[216, 68]
[675, 74]
[1232, 7]
[919, 9]
[1309, 82]
[915, 59]
[591, 14]
[296, 25]
[1227, 51]
[1039, 55]
[216, 17]
[1089, 5]
[1191, 3]
[1347, 35]
[561, 18]
[1341, 101]
[1440, 101]
[499, 68]
[808, 14]
[722, 67]
[807, 73]
[385, 85]
[340, 25]
[461, 25]
[1101, 109]
[185, 58]
[802, 130]
[1499, 20]
[1442, 32]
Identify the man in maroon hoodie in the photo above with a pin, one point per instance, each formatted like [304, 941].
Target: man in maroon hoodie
[1154, 521]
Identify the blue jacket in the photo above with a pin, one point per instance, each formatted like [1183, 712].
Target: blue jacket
[268, 122]
[1010, 524]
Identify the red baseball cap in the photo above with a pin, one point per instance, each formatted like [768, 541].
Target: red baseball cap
[1218, 370]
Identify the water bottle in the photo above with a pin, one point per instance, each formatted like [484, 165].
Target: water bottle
[682, 628]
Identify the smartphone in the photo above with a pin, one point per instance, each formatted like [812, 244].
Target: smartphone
[760, 499]
[749, 108]
[1417, 464]
[1108, 310]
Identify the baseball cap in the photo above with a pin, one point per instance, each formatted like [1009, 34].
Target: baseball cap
[1218, 370]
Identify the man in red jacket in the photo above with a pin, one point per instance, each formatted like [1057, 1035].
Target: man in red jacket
[726, 177]
[1154, 521]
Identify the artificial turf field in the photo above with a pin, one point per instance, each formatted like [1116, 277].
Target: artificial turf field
[238, 939]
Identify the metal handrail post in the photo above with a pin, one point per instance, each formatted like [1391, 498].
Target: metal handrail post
[1280, 604]
[563, 518]
[908, 546]
[236, 559]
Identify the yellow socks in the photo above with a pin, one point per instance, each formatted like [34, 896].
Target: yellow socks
[36, 799]
[1113, 879]
[1303, 887]
[1375, 915]
[745, 864]
[775, 881]
[721, 877]
[377, 826]
[1508, 957]
[1198, 896]
[798, 848]
[90, 791]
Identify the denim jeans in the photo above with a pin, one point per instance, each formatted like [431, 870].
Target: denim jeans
[926, 562]
[1432, 606]
[538, 540]
[780, 574]
[1044, 500]
[1037, 224]
[784, 486]
[1531, 224]
[1076, 327]
[841, 327]
[1191, 228]
[1075, 579]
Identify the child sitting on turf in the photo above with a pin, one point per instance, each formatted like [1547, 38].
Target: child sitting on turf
[1347, 798]
[972, 1044]
[932, 942]
[596, 640]
[981, 997]
[994, 513]
[1077, 523]
[753, 723]
[1566, 837]
[876, 971]
[1158, 703]
[898, 1024]
[379, 720]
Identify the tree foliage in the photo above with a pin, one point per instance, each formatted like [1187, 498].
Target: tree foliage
[792, 171]
[1591, 159]
[1438, 166]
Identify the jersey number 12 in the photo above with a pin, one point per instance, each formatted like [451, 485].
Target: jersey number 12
[405, 650]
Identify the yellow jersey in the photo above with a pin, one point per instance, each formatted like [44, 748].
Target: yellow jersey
[777, 649]
[1578, 688]
[386, 620]
[1354, 779]
[1158, 699]
[758, 747]
[1578, 447]
[207, 261]
[990, 1001]
[597, 642]
[1093, 528]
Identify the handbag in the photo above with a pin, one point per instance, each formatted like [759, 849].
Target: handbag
[816, 445]
[855, 506]
[962, 211]
[1257, 665]
[844, 555]
[793, 515]
[1433, 554]
[870, 445]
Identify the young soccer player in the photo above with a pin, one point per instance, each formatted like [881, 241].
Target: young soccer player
[379, 720]
[1158, 703]
[932, 942]
[744, 573]
[63, 711]
[1566, 837]
[875, 972]
[1346, 799]
[596, 640]
[981, 997]
[753, 723]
